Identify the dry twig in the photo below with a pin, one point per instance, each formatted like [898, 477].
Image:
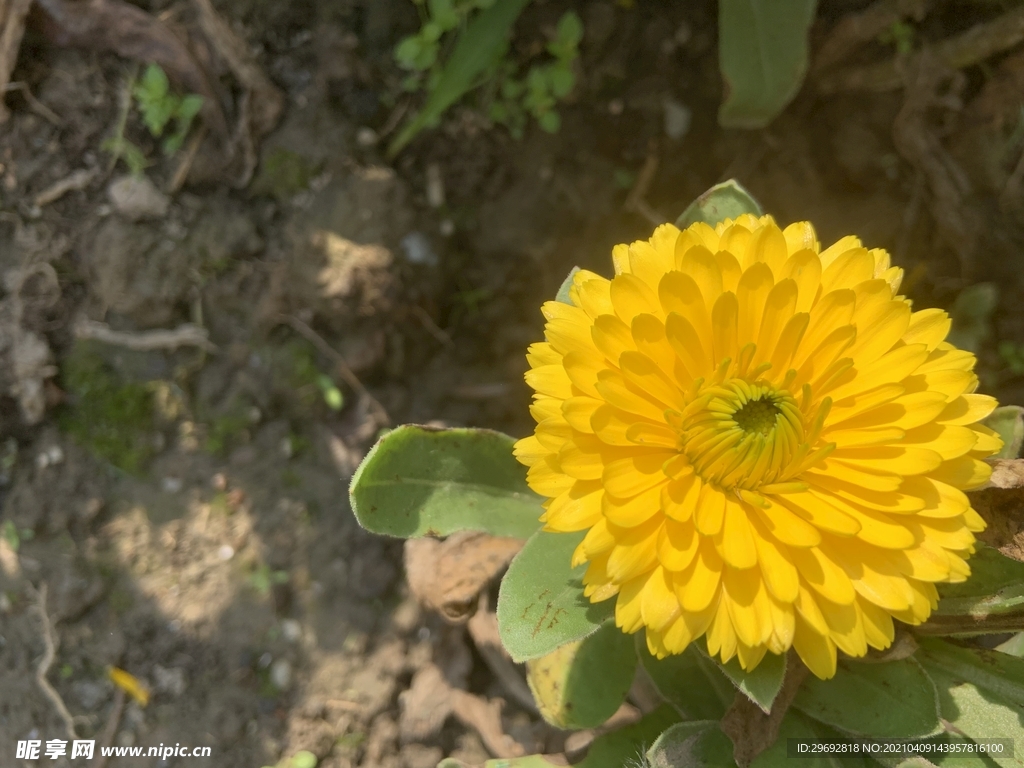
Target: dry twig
[344, 370]
[110, 729]
[12, 27]
[855, 29]
[186, 335]
[78, 180]
[35, 104]
[963, 50]
[47, 661]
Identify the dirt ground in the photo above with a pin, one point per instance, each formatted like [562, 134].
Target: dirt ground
[186, 509]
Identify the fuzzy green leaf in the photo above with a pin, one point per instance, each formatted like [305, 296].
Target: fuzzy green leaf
[892, 700]
[762, 684]
[690, 682]
[796, 726]
[626, 746]
[762, 51]
[563, 291]
[420, 481]
[723, 201]
[483, 40]
[582, 684]
[995, 589]
[541, 604]
[1008, 421]
[697, 744]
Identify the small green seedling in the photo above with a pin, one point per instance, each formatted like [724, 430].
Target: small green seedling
[159, 107]
[301, 759]
[263, 579]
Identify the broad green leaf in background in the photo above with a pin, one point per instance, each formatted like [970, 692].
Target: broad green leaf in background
[797, 726]
[541, 604]
[480, 44]
[689, 681]
[723, 201]
[972, 316]
[995, 591]
[697, 744]
[1014, 646]
[762, 684]
[993, 671]
[626, 746]
[895, 700]
[582, 683]
[563, 291]
[762, 51]
[419, 480]
[1008, 421]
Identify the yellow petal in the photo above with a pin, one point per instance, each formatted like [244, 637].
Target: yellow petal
[677, 545]
[736, 543]
[697, 586]
[631, 296]
[632, 474]
[658, 604]
[634, 511]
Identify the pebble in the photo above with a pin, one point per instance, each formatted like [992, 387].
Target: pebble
[281, 674]
[171, 484]
[136, 197]
[367, 137]
[418, 250]
[226, 552]
[291, 630]
[678, 117]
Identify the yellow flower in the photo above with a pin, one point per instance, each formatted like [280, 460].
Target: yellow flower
[765, 444]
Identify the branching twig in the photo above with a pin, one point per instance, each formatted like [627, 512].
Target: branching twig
[47, 661]
[343, 367]
[12, 27]
[186, 335]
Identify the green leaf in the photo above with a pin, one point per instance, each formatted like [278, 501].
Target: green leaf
[1008, 421]
[976, 711]
[796, 726]
[627, 745]
[582, 683]
[1014, 646]
[690, 682]
[550, 122]
[762, 51]
[570, 29]
[541, 605]
[563, 291]
[892, 700]
[561, 80]
[420, 480]
[972, 316]
[484, 39]
[443, 13]
[698, 744]
[762, 684]
[996, 588]
[996, 672]
[407, 51]
[723, 201]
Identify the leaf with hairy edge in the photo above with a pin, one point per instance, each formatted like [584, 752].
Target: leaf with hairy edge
[994, 671]
[796, 726]
[563, 291]
[582, 683]
[697, 744]
[762, 684]
[762, 51]
[723, 201]
[626, 746]
[541, 605]
[894, 700]
[420, 481]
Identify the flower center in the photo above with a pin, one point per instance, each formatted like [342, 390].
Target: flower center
[757, 415]
[742, 434]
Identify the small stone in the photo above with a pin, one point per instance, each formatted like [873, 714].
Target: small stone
[367, 137]
[677, 118]
[281, 674]
[5, 603]
[90, 693]
[136, 198]
[171, 484]
[616, 106]
[435, 186]
[291, 630]
[265, 660]
[446, 227]
[125, 739]
[55, 453]
[418, 250]
[226, 552]
[170, 681]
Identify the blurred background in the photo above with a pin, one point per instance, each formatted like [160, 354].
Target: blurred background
[238, 240]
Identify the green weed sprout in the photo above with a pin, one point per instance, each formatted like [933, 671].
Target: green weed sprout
[159, 106]
[479, 60]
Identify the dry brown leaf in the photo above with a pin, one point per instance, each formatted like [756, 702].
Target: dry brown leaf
[483, 628]
[484, 717]
[425, 706]
[751, 730]
[449, 575]
[1001, 505]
